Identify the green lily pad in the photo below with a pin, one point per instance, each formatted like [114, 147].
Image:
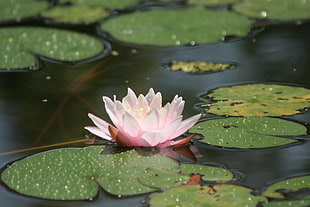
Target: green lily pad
[275, 9]
[176, 27]
[199, 66]
[76, 14]
[248, 132]
[210, 173]
[20, 9]
[292, 184]
[295, 203]
[115, 4]
[74, 173]
[258, 100]
[122, 170]
[21, 45]
[202, 196]
[211, 2]
[162, 179]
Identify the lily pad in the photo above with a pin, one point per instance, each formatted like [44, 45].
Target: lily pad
[258, 100]
[75, 14]
[275, 9]
[202, 196]
[20, 9]
[115, 4]
[199, 66]
[162, 179]
[176, 27]
[248, 132]
[74, 173]
[210, 173]
[295, 203]
[292, 184]
[21, 45]
[211, 2]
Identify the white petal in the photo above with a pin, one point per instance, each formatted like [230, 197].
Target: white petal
[169, 130]
[156, 102]
[186, 125]
[142, 103]
[130, 98]
[100, 123]
[98, 132]
[150, 95]
[130, 125]
[150, 121]
[151, 138]
[110, 108]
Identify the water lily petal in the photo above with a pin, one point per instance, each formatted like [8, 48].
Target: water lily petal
[98, 132]
[156, 102]
[151, 138]
[130, 126]
[110, 109]
[142, 103]
[150, 120]
[169, 130]
[126, 140]
[150, 95]
[130, 99]
[187, 124]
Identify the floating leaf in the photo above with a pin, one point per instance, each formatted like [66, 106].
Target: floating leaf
[157, 178]
[199, 66]
[210, 173]
[115, 4]
[292, 184]
[122, 170]
[275, 9]
[211, 2]
[74, 173]
[248, 132]
[19, 9]
[202, 196]
[76, 14]
[176, 27]
[64, 174]
[258, 100]
[20, 44]
[294, 203]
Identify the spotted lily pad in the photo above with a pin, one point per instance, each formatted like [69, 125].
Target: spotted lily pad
[258, 100]
[248, 132]
[294, 203]
[76, 14]
[211, 2]
[161, 179]
[21, 45]
[176, 27]
[278, 189]
[115, 4]
[275, 9]
[74, 173]
[199, 66]
[202, 196]
[20, 9]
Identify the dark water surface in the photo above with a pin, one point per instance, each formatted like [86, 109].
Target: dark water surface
[51, 105]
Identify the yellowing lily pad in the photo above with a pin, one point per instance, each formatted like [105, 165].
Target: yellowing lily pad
[202, 196]
[248, 132]
[176, 27]
[75, 14]
[115, 4]
[275, 9]
[20, 9]
[21, 46]
[74, 173]
[292, 184]
[258, 100]
[199, 66]
[211, 2]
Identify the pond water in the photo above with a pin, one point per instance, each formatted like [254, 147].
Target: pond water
[50, 106]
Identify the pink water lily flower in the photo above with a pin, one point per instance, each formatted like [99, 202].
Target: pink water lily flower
[143, 121]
